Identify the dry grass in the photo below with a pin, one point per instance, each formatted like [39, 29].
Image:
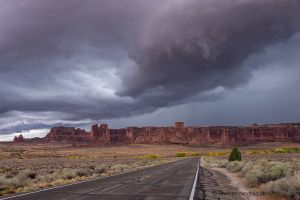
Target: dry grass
[26, 168]
[273, 172]
[288, 186]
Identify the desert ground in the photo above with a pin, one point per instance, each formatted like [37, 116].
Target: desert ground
[267, 171]
[27, 167]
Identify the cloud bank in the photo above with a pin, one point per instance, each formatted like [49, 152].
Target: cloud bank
[74, 62]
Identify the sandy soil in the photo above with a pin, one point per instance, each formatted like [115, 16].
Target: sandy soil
[237, 182]
[28, 167]
[56, 164]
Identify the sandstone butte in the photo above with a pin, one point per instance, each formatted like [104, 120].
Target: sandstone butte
[179, 134]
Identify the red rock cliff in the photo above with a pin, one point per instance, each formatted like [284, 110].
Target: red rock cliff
[68, 134]
[179, 134]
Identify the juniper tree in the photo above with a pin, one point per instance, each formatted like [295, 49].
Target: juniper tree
[235, 155]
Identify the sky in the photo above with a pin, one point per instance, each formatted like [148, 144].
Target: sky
[147, 63]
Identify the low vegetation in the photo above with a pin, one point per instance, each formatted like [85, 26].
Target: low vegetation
[235, 155]
[150, 156]
[275, 150]
[218, 153]
[282, 178]
[18, 181]
[195, 154]
[28, 168]
[287, 150]
[180, 154]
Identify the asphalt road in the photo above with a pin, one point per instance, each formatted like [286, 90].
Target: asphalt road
[169, 181]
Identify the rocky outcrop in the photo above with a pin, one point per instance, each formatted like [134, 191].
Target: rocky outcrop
[100, 133]
[105, 133]
[19, 139]
[95, 132]
[179, 134]
[68, 134]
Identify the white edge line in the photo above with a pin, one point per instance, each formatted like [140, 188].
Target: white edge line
[61, 186]
[195, 183]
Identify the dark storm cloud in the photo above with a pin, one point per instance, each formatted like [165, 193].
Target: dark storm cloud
[73, 60]
[48, 47]
[200, 45]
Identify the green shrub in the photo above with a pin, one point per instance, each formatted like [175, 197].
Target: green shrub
[68, 174]
[278, 170]
[235, 155]
[2, 182]
[295, 165]
[28, 174]
[235, 166]
[258, 173]
[19, 180]
[82, 172]
[195, 154]
[247, 167]
[214, 153]
[260, 151]
[222, 163]
[151, 156]
[101, 169]
[251, 178]
[263, 171]
[288, 186]
[180, 154]
[120, 167]
[288, 150]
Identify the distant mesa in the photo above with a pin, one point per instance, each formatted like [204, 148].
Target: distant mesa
[19, 139]
[179, 134]
[179, 125]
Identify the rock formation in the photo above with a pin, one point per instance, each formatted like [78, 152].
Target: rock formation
[19, 139]
[100, 133]
[68, 134]
[179, 134]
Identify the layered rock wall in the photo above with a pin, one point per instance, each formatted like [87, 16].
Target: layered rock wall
[68, 134]
[179, 134]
